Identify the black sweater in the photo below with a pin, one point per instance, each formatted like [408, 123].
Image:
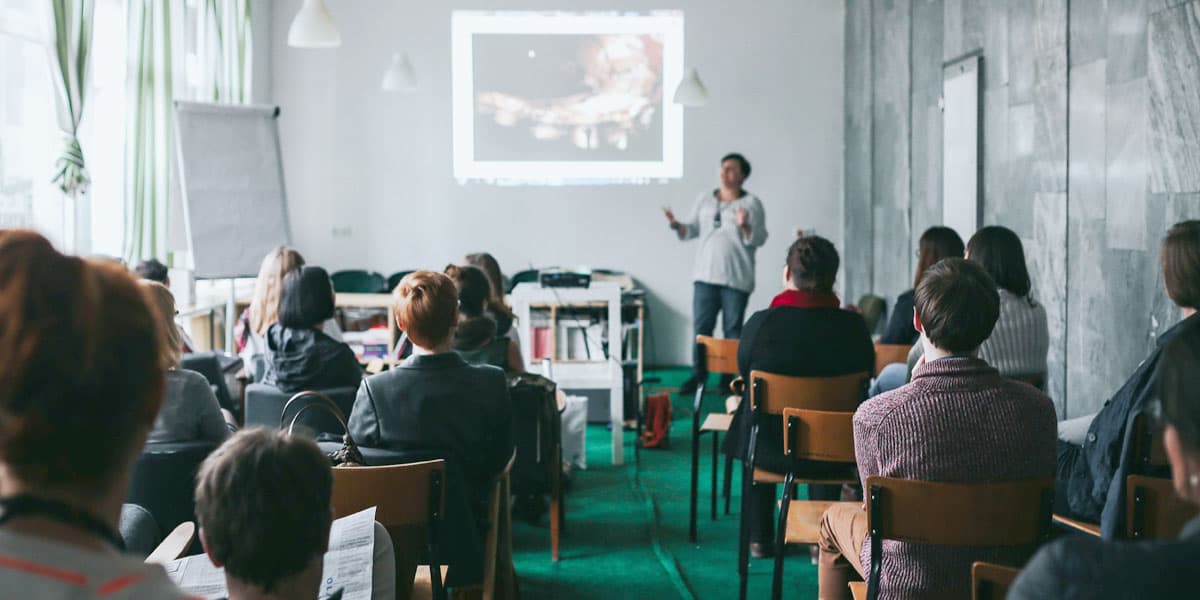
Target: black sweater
[900, 328]
[803, 342]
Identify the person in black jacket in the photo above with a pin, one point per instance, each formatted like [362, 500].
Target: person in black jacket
[435, 402]
[1095, 452]
[1087, 567]
[804, 333]
[299, 355]
[936, 243]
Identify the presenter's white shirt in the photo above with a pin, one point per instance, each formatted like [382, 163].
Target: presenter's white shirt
[725, 256]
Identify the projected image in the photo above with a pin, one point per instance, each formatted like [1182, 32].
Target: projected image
[554, 98]
[568, 97]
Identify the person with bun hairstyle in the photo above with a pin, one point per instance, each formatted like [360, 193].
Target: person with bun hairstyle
[435, 404]
[81, 382]
[477, 337]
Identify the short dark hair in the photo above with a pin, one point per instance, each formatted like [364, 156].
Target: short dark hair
[306, 298]
[474, 290]
[999, 251]
[1180, 257]
[813, 262]
[260, 534]
[958, 305]
[81, 377]
[151, 269]
[742, 162]
[936, 243]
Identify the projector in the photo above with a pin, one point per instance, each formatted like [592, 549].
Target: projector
[561, 278]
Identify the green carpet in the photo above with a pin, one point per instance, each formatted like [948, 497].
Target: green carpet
[626, 534]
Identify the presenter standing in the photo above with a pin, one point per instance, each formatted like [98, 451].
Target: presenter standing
[730, 224]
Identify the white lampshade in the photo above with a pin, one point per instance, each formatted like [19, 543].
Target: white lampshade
[313, 27]
[400, 76]
[691, 91]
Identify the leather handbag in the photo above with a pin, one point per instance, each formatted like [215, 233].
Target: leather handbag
[346, 456]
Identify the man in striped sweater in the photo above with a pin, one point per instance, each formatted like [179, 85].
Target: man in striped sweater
[958, 421]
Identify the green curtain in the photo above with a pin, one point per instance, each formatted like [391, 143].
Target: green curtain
[72, 46]
[148, 128]
[226, 26]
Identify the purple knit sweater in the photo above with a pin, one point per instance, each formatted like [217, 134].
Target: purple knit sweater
[958, 421]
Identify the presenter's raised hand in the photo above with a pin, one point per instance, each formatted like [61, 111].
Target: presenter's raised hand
[670, 215]
[743, 218]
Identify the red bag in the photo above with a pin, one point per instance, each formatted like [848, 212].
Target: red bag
[657, 421]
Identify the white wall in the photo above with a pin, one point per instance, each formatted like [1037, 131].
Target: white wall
[380, 164]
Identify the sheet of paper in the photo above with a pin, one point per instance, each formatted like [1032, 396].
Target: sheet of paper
[348, 563]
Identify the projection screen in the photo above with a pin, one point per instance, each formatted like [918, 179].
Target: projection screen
[566, 98]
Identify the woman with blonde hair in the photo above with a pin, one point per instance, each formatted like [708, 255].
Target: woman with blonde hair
[190, 411]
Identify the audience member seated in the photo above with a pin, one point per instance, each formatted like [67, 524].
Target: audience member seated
[476, 337]
[153, 270]
[804, 333]
[300, 356]
[435, 402]
[936, 243]
[1082, 566]
[272, 544]
[190, 411]
[497, 307]
[251, 329]
[958, 421]
[1094, 452]
[73, 416]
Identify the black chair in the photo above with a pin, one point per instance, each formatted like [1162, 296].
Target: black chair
[213, 367]
[164, 481]
[358, 281]
[537, 434]
[264, 408]
[526, 276]
[394, 279]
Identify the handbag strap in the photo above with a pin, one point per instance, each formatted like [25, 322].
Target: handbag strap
[325, 403]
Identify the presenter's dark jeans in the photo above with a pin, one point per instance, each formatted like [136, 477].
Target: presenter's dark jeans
[707, 301]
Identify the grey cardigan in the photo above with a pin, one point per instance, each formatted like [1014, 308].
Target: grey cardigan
[190, 412]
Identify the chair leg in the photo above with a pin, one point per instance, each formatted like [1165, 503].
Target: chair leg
[780, 536]
[728, 481]
[694, 485]
[713, 488]
[743, 567]
[555, 524]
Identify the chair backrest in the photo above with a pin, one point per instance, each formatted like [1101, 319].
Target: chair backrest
[537, 434]
[409, 501]
[771, 393]
[990, 581]
[358, 281]
[717, 355]
[174, 545]
[394, 279]
[1009, 513]
[164, 481]
[818, 435]
[872, 308]
[526, 276]
[264, 408]
[208, 365]
[1152, 510]
[1149, 455]
[498, 575]
[886, 354]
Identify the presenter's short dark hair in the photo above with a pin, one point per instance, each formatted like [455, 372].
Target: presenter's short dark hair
[813, 262]
[958, 304]
[742, 162]
[1180, 258]
[151, 269]
[260, 535]
[306, 298]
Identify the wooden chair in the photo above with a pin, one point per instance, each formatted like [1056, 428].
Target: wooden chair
[886, 354]
[1149, 458]
[810, 435]
[409, 500]
[716, 356]
[499, 577]
[174, 545]
[1011, 513]
[1152, 510]
[991, 581]
[771, 394]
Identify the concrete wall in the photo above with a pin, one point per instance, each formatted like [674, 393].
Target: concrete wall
[380, 164]
[1091, 132]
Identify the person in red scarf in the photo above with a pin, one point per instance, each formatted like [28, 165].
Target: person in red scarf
[804, 333]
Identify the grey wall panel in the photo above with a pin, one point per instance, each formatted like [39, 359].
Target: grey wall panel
[953, 44]
[1015, 209]
[1050, 125]
[857, 256]
[1126, 167]
[1048, 265]
[995, 152]
[1087, 151]
[1125, 48]
[995, 45]
[1088, 30]
[892, 134]
[926, 119]
[1022, 51]
[1174, 70]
